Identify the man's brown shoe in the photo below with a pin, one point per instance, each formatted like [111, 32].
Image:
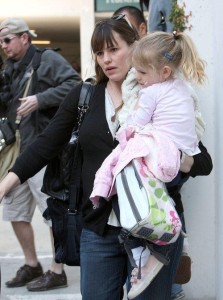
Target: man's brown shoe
[24, 275]
[48, 281]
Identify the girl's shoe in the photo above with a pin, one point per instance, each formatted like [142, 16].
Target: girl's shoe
[148, 273]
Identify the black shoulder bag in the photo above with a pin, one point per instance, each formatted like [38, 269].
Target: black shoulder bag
[64, 213]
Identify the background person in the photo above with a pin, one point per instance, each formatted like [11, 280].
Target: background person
[159, 14]
[50, 83]
[104, 262]
[135, 17]
[76, 65]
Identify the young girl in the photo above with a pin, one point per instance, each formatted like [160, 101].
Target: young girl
[165, 64]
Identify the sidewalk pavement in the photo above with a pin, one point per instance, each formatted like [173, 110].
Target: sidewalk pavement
[11, 258]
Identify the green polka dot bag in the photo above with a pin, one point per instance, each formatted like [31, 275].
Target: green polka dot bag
[146, 209]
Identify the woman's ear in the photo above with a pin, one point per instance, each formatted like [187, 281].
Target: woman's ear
[166, 72]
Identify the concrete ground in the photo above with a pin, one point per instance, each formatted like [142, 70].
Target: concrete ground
[11, 258]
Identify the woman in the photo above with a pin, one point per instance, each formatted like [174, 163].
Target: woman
[104, 262]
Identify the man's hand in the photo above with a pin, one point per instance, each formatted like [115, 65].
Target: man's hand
[1, 196]
[28, 105]
[2, 191]
[8, 183]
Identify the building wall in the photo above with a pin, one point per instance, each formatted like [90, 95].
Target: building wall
[202, 195]
[71, 51]
[217, 24]
[218, 133]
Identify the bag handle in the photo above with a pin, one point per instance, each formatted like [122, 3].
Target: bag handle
[18, 118]
[75, 181]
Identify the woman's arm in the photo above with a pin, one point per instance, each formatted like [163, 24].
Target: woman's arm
[199, 164]
[202, 163]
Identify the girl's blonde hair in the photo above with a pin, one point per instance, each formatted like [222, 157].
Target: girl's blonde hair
[175, 50]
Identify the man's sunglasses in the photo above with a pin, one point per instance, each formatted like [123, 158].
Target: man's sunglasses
[6, 40]
[122, 16]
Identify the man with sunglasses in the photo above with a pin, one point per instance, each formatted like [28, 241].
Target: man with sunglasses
[135, 17]
[50, 83]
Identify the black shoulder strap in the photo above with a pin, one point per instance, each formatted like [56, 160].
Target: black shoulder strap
[37, 57]
[86, 94]
[35, 64]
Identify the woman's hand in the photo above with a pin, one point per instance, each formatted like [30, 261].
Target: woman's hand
[8, 183]
[187, 163]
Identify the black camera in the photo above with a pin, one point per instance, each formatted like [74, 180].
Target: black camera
[7, 134]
